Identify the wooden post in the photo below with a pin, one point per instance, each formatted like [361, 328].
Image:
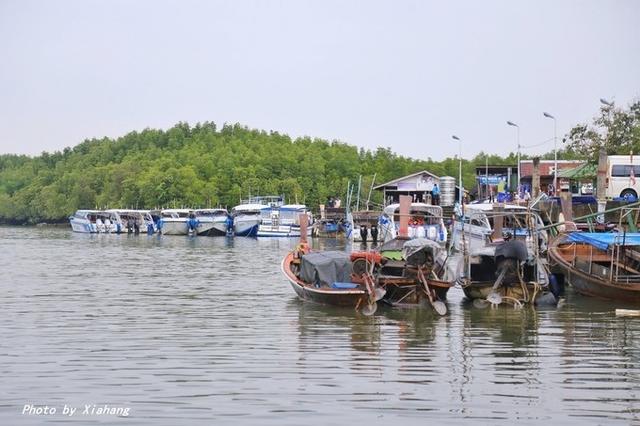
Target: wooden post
[566, 204]
[535, 178]
[304, 223]
[601, 184]
[405, 207]
[498, 218]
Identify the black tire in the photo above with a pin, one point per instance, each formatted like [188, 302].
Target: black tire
[629, 193]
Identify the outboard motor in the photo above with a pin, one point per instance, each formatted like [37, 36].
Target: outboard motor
[229, 225]
[374, 233]
[508, 257]
[363, 233]
[192, 223]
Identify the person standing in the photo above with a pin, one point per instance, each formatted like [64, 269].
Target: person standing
[435, 195]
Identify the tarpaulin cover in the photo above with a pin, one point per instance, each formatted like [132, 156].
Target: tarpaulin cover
[603, 240]
[413, 247]
[325, 268]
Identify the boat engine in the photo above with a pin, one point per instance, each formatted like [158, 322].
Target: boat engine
[508, 258]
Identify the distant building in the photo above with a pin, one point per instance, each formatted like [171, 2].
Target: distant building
[417, 185]
[547, 168]
[495, 178]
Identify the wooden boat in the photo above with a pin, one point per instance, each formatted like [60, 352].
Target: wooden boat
[326, 277]
[301, 265]
[406, 267]
[406, 270]
[507, 266]
[505, 273]
[604, 265]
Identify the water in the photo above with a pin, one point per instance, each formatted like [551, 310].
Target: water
[206, 331]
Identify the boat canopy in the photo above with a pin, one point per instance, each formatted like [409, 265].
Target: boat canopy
[324, 268]
[417, 251]
[603, 240]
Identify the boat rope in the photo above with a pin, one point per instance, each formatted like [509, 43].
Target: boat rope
[525, 290]
[516, 302]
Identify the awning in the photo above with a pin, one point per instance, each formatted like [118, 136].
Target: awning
[603, 240]
[584, 171]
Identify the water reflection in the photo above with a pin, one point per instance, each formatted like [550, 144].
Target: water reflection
[206, 330]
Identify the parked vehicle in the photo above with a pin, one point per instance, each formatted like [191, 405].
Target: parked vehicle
[621, 176]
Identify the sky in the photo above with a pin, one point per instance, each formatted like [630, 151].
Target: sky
[400, 74]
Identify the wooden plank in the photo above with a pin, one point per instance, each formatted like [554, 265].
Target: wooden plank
[627, 313]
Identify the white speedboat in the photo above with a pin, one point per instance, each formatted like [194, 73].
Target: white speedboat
[211, 222]
[95, 222]
[425, 221]
[478, 225]
[134, 221]
[177, 222]
[283, 221]
[246, 219]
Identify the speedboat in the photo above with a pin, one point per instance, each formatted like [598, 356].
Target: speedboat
[177, 221]
[478, 224]
[95, 221]
[211, 222]
[134, 221]
[425, 221]
[282, 221]
[246, 219]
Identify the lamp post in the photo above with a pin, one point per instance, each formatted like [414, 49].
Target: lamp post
[454, 137]
[606, 102]
[555, 153]
[511, 123]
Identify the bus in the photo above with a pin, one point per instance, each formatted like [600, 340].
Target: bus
[622, 172]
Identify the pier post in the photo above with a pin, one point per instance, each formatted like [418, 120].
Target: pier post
[405, 207]
[535, 178]
[601, 184]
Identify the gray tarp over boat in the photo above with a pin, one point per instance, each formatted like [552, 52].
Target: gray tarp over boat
[412, 248]
[325, 268]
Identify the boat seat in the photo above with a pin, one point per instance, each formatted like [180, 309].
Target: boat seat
[344, 286]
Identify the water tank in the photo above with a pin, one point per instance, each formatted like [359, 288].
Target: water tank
[447, 191]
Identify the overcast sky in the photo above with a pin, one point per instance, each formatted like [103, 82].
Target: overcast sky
[400, 74]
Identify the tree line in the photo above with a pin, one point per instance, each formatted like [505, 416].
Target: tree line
[207, 166]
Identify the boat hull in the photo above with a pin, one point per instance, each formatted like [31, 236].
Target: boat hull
[175, 227]
[280, 231]
[481, 290]
[344, 298]
[246, 229]
[589, 284]
[402, 291]
[211, 229]
[82, 226]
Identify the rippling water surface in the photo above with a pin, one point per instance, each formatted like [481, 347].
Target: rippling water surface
[207, 331]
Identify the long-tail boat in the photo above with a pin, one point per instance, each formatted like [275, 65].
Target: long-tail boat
[327, 277]
[407, 269]
[507, 268]
[604, 265]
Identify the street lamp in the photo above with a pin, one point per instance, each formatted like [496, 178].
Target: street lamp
[454, 137]
[555, 153]
[606, 102]
[511, 123]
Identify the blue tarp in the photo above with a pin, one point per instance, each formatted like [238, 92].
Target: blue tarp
[603, 240]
